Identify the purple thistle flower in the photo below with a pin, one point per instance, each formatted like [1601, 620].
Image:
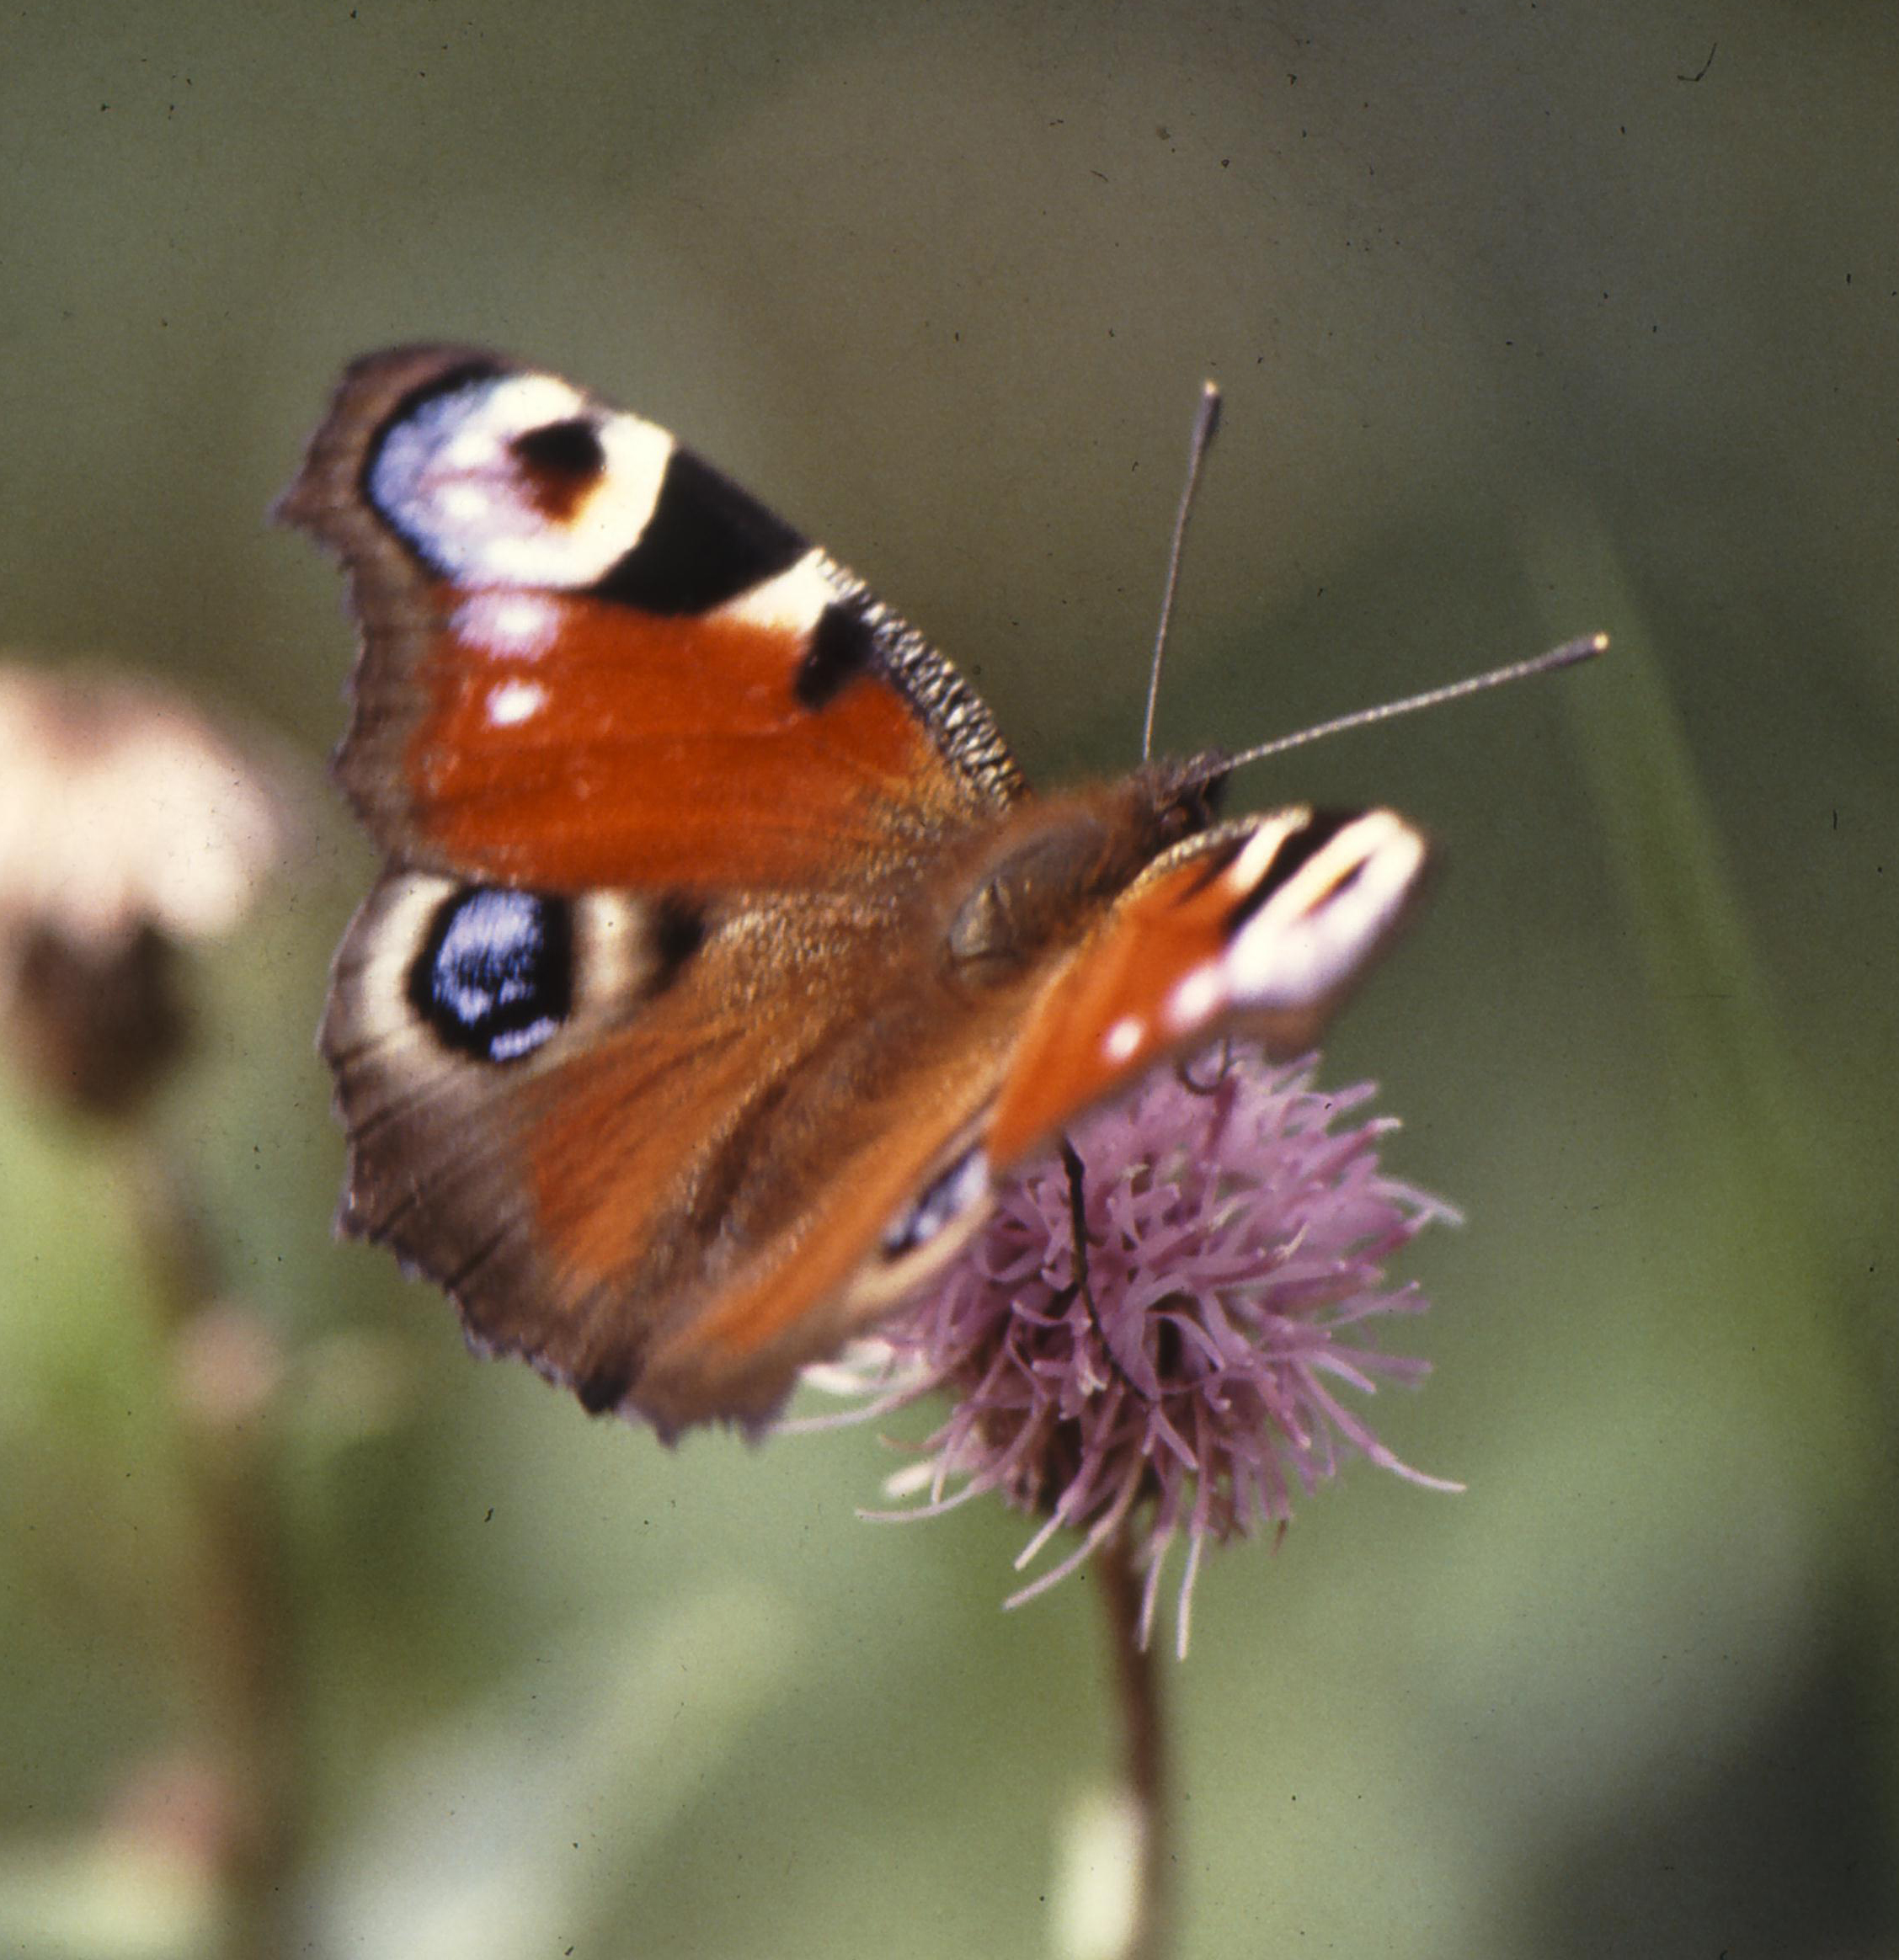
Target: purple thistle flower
[1236, 1247]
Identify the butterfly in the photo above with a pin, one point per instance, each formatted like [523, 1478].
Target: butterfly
[722, 958]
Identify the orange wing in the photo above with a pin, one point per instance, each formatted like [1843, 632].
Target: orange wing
[1262, 926]
[590, 659]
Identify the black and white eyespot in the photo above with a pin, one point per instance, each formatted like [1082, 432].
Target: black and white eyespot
[494, 977]
[482, 977]
[517, 479]
[947, 1198]
[500, 480]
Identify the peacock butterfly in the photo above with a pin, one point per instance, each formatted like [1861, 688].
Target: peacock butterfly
[723, 958]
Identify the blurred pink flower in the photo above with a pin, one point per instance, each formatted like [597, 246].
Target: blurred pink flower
[130, 824]
[1236, 1242]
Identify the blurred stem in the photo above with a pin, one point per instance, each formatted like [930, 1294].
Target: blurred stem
[238, 1625]
[1138, 1685]
[1781, 1188]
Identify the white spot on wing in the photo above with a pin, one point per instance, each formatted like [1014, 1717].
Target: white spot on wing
[516, 625]
[1124, 1037]
[1255, 859]
[616, 956]
[468, 505]
[376, 1011]
[510, 1047]
[1197, 999]
[516, 701]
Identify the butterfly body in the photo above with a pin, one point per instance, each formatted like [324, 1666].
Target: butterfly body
[724, 958]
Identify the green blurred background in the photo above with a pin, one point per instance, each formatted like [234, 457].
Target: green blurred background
[1531, 321]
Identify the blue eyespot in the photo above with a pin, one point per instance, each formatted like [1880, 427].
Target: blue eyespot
[495, 976]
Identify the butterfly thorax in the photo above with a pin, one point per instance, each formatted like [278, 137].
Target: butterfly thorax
[1043, 879]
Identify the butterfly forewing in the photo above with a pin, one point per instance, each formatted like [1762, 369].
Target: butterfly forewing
[590, 660]
[1260, 927]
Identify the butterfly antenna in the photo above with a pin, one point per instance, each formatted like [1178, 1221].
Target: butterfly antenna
[1569, 654]
[1206, 422]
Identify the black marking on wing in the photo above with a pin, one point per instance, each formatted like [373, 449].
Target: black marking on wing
[706, 542]
[1291, 856]
[677, 930]
[844, 644]
[938, 1206]
[716, 1199]
[562, 461]
[453, 1282]
[959, 722]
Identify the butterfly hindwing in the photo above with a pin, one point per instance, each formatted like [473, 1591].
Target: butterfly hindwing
[661, 1155]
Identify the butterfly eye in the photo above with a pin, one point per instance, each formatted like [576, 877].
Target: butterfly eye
[945, 1200]
[495, 975]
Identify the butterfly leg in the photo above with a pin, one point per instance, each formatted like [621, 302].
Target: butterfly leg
[1183, 1071]
[1078, 1225]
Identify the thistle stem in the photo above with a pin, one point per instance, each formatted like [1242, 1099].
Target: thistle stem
[239, 1613]
[1138, 1690]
